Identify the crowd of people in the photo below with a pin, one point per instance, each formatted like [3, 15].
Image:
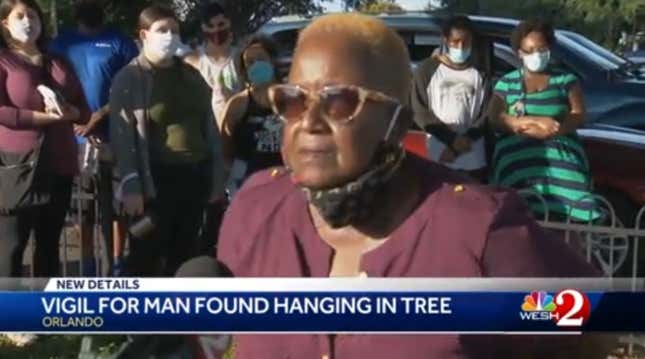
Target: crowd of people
[176, 132]
[312, 170]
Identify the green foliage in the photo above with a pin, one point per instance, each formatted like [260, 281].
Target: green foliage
[60, 347]
[455, 6]
[601, 20]
[358, 4]
[381, 6]
[247, 15]
[123, 14]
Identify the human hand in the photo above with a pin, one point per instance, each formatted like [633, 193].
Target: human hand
[68, 113]
[462, 144]
[535, 131]
[447, 156]
[548, 124]
[133, 204]
[87, 129]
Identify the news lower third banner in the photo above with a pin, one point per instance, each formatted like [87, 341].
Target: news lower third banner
[366, 305]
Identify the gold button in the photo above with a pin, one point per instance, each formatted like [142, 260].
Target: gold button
[459, 188]
[275, 172]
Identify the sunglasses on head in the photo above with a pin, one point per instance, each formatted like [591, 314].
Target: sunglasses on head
[338, 103]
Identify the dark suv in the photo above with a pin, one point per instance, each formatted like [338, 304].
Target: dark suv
[614, 89]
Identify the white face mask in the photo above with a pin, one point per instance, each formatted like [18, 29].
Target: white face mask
[537, 61]
[23, 30]
[162, 45]
[458, 55]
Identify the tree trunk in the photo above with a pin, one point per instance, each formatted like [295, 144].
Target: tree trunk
[609, 41]
[53, 17]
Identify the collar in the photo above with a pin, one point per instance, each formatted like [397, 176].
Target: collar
[143, 62]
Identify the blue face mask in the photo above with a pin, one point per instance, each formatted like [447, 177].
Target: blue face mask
[260, 73]
[457, 55]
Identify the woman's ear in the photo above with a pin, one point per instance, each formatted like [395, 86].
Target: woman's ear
[4, 30]
[142, 35]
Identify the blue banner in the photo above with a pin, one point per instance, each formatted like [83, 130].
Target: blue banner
[358, 312]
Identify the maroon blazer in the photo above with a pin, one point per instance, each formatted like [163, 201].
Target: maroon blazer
[458, 230]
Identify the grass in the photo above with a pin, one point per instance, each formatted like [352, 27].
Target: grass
[58, 347]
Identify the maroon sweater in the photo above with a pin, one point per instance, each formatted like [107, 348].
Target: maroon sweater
[19, 97]
[474, 232]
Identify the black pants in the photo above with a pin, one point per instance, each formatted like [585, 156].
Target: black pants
[178, 209]
[46, 222]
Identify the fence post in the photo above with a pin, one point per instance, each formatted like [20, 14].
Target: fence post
[597, 198]
[639, 219]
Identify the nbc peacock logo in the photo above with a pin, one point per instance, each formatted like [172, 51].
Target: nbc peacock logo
[568, 308]
[538, 302]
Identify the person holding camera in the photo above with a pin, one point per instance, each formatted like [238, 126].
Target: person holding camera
[167, 148]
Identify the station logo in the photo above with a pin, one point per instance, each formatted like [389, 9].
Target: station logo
[568, 308]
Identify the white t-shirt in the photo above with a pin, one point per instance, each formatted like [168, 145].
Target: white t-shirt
[456, 97]
[221, 76]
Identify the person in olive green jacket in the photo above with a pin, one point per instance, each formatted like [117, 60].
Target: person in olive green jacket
[166, 145]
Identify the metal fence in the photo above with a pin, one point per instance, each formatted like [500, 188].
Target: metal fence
[606, 241]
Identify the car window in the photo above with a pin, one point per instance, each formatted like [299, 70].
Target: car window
[504, 60]
[286, 41]
[590, 55]
[420, 44]
[596, 48]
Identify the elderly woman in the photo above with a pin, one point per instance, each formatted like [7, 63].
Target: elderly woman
[352, 202]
